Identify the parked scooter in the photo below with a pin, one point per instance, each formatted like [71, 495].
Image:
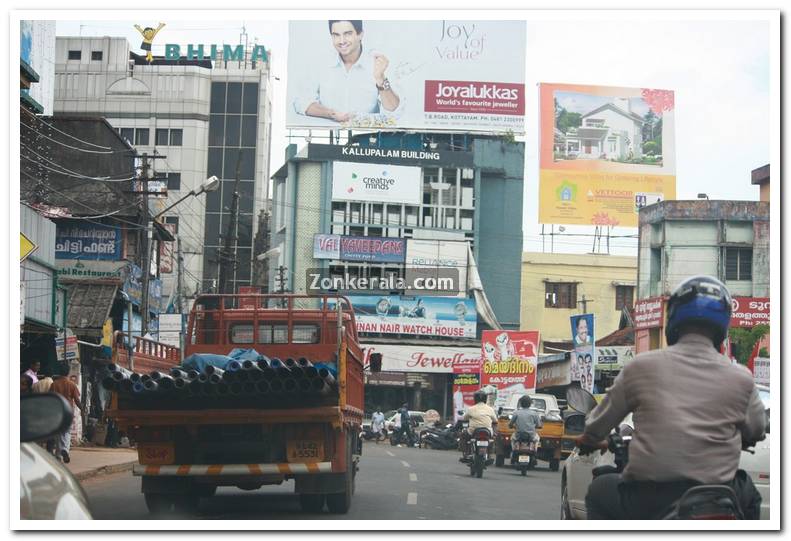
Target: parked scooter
[704, 502]
[407, 438]
[368, 434]
[442, 438]
[523, 452]
[477, 451]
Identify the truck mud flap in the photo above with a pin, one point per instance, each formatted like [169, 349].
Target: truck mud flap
[174, 470]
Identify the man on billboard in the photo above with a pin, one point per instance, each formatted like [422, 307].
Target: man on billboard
[582, 337]
[355, 83]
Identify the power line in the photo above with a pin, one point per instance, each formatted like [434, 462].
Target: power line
[41, 120]
[103, 179]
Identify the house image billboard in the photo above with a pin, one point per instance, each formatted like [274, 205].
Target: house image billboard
[605, 152]
[440, 75]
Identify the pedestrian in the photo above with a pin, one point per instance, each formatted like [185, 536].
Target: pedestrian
[33, 369]
[377, 423]
[42, 385]
[68, 390]
[406, 424]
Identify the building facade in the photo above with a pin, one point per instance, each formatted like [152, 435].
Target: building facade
[205, 117]
[448, 201]
[557, 286]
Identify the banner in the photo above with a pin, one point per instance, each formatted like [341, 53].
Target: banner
[170, 329]
[613, 358]
[78, 240]
[166, 251]
[373, 249]
[761, 371]
[379, 183]
[407, 75]
[749, 311]
[605, 152]
[510, 360]
[448, 317]
[326, 246]
[555, 374]
[583, 358]
[649, 313]
[426, 359]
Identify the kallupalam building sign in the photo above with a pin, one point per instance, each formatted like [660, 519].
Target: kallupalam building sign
[394, 156]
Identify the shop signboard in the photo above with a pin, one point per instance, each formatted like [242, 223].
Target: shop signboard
[376, 182]
[554, 374]
[395, 156]
[510, 360]
[371, 249]
[749, 311]
[605, 153]
[87, 241]
[463, 76]
[431, 259]
[649, 313]
[761, 371]
[422, 359]
[613, 358]
[448, 317]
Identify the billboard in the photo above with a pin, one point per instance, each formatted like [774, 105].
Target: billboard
[376, 182]
[649, 313]
[605, 152]
[510, 361]
[749, 311]
[345, 248]
[583, 358]
[426, 359]
[37, 50]
[418, 75]
[449, 317]
[87, 241]
[426, 258]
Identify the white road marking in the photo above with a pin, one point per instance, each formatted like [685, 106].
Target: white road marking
[405, 463]
[411, 498]
[389, 453]
[413, 477]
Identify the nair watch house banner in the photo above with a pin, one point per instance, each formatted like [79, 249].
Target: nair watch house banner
[605, 153]
[457, 75]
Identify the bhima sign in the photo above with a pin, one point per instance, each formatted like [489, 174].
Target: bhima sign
[226, 52]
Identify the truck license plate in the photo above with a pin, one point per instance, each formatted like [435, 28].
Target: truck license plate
[156, 454]
[305, 450]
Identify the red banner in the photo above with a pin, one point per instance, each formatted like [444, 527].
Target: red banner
[649, 313]
[510, 360]
[749, 311]
[474, 97]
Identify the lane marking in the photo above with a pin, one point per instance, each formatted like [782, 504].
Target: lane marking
[413, 477]
[405, 463]
[411, 498]
[389, 453]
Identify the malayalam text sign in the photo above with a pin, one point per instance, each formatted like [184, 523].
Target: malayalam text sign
[649, 313]
[749, 311]
[510, 360]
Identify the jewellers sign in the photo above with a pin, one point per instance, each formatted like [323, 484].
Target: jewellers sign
[394, 156]
[381, 183]
[422, 358]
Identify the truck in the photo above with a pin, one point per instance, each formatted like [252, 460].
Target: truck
[188, 444]
[549, 448]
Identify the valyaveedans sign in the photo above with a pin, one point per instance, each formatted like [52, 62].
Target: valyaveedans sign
[346, 248]
[460, 75]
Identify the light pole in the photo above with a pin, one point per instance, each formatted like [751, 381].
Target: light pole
[208, 185]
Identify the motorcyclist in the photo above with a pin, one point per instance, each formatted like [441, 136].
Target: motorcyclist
[480, 415]
[406, 424]
[525, 421]
[692, 410]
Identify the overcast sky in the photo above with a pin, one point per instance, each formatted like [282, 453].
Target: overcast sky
[719, 70]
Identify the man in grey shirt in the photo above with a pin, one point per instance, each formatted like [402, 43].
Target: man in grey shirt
[524, 420]
[692, 409]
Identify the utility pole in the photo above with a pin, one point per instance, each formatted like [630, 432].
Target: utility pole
[227, 254]
[584, 302]
[146, 238]
[179, 275]
[281, 283]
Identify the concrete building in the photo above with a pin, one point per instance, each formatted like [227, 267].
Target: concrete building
[679, 239]
[760, 178]
[449, 195]
[557, 286]
[205, 116]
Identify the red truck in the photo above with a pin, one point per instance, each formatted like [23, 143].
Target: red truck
[186, 449]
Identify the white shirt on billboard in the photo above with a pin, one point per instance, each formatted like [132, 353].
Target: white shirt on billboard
[352, 91]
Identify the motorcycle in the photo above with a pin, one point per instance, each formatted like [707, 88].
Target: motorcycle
[523, 452]
[402, 436]
[477, 452]
[703, 502]
[368, 434]
[442, 438]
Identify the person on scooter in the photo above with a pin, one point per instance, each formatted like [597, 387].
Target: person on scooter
[480, 415]
[692, 411]
[525, 421]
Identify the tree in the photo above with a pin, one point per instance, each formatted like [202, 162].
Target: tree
[649, 126]
[743, 341]
[650, 148]
[566, 120]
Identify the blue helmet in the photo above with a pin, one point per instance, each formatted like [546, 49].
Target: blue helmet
[700, 300]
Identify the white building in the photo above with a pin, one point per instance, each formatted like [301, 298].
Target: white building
[202, 116]
[611, 131]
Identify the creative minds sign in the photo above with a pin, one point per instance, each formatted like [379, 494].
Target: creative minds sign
[376, 182]
[510, 360]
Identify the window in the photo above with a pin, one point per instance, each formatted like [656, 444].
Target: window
[560, 295]
[738, 263]
[241, 333]
[96, 55]
[624, 297]
[161, 137]
[174, 181]
[305, 334]
[176, 137]
[141, 136]
[273, 333]
[128, 134]
[75, 55]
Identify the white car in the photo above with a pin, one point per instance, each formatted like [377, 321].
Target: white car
[577, 473]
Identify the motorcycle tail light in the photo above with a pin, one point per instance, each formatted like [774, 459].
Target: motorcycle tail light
[482, 436]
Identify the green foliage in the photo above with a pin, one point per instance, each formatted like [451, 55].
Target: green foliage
[509, 136]
[743, 340]
[650, 147]
[565, 120]
[763, 352]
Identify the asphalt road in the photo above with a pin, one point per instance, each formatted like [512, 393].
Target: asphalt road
[393, 483]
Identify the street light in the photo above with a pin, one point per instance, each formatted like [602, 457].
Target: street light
[209, 185]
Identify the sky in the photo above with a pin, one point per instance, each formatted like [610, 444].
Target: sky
[718, 68]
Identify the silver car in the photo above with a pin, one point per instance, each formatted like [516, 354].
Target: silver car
[48, 490]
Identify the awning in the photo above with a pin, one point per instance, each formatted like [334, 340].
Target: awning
[89, 307]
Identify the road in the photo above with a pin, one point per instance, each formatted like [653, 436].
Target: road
[393, 483]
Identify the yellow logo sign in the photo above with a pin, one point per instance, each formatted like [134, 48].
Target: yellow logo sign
[148, 34]
[27, 246]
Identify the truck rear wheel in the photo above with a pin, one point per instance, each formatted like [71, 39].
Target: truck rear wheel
[341, 502]
[311, 503]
